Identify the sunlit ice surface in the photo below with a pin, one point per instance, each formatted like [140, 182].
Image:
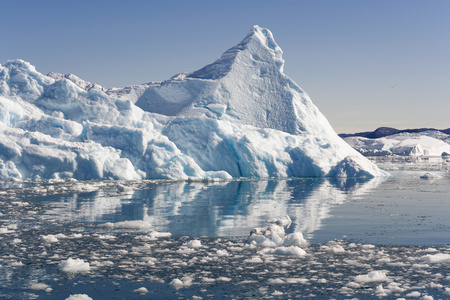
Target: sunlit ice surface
[160, 239]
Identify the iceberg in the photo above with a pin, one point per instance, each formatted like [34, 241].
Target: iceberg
[240, 116]
[427, 143]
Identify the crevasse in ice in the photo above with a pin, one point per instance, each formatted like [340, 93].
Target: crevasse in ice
[240, 116]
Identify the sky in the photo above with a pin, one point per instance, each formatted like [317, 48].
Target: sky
[365, 64]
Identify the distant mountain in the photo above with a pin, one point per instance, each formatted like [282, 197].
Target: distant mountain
[386, 131]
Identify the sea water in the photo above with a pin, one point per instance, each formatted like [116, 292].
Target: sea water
[384, 237]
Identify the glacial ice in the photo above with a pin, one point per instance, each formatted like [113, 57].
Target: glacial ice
[240, 116]
[428, 143]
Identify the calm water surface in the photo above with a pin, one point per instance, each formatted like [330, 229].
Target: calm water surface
[401, 209]
[397, 227]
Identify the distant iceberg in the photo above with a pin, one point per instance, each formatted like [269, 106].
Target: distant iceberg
[240, 116]
[427, 143]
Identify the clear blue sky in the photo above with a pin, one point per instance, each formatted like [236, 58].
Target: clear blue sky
[365, 64]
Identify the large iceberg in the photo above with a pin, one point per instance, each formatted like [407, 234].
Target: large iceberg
[240, 116]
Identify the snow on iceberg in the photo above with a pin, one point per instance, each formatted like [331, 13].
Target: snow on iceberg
[240, 116]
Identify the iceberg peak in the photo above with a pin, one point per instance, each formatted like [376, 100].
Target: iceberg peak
[258, 47]
[265, 37]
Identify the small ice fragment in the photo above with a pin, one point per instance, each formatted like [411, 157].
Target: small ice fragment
[292, 250]
[5, 230]
[16, 264]
[372, 276]
[224, 279]
[353, 285]
[193, 244]
[16, 241]
[74, 266]
[382, 292]
[141, 291]
[435, 258]
[276, 281]
[335, 249]
[177, 283]
[49, 238]
[277, 293]
[38, 286]
[294, 239]
[222, 253]
[79, 297]
[414, 294]
[137, 224]
[430, 176]
[253, 260]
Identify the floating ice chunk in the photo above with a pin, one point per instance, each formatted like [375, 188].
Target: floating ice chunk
[224, 279]
[208, 280]
[185, 250]
[138, 224]
[291, 251]
[294, 239]
[261, 240]
[5, 230]
[106, 237]
[222, 253]
[382, 292]
[276, 281]
[178, 283]
[16, 241]
[49, 238]
[353, 285]
[430, 176]
[297, 280]
[335, 249]
[40, 287]
[435, 258]
[395, 287]
[414, 294]
[274, 234]
[372, 276]
[16, 264]
[253, 260]
[193, 244]
[141, 291]
[74, 266]
[79, 297]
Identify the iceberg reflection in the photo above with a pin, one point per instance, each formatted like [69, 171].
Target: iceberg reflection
[228, 209]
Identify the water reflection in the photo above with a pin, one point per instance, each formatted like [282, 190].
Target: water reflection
[214, 209]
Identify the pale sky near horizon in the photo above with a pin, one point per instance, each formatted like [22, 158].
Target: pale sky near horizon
[365, 64]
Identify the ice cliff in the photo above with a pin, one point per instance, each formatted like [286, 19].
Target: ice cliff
[240, 116]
